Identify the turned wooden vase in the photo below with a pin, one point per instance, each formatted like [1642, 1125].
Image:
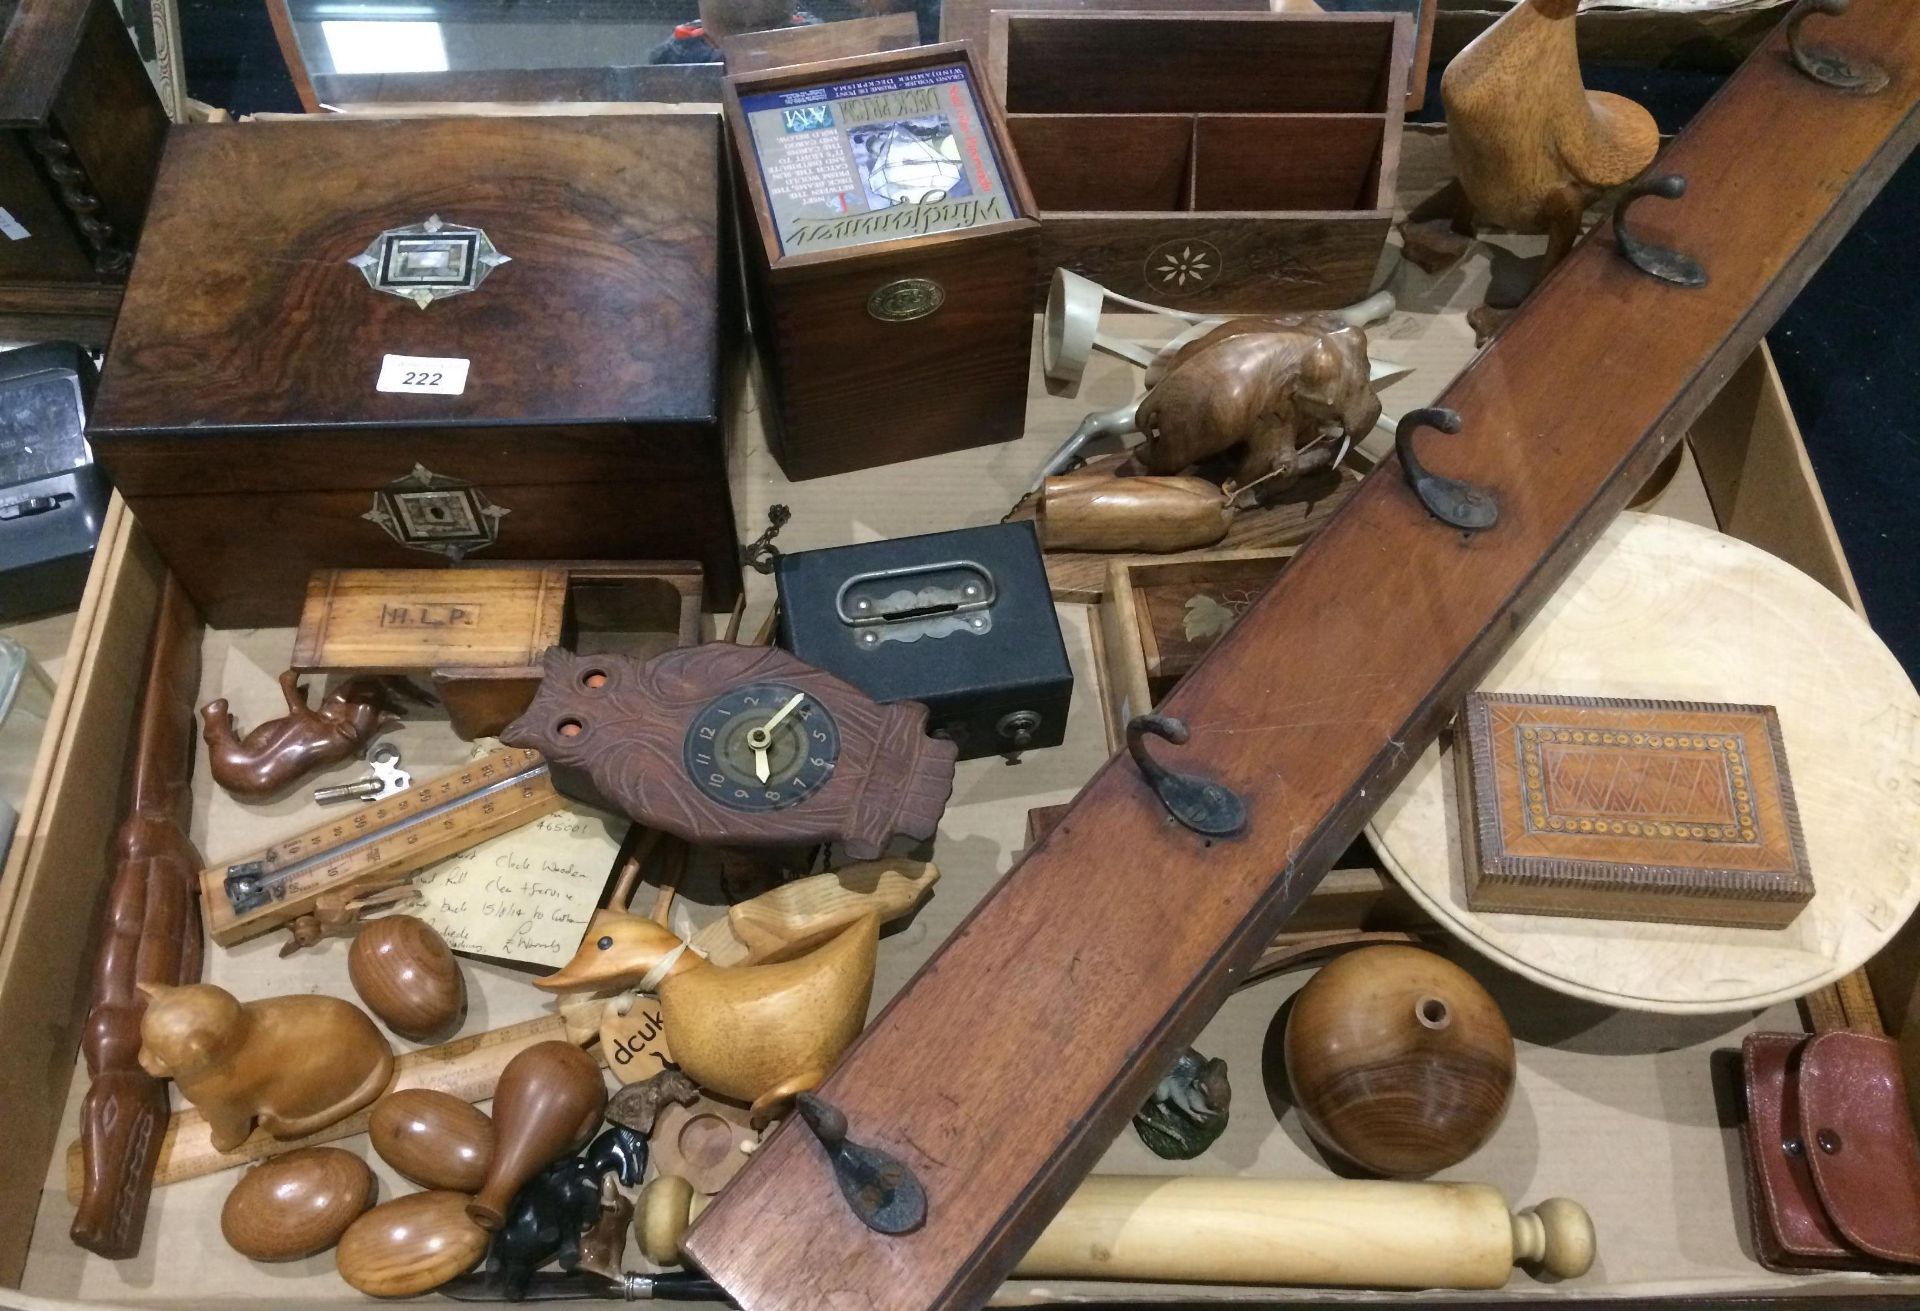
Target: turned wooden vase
[1400, 1062]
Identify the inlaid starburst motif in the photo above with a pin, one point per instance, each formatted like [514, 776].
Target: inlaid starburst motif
[1183, 264]
[1189, 263]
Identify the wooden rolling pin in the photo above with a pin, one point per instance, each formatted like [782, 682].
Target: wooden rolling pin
[1345, 1233]
[1331, 1233]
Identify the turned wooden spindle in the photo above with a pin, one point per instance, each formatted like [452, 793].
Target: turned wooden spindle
[1348, 1233]
[549, 1100]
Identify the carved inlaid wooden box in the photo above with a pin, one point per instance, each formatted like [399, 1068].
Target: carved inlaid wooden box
[424, 340]
[1208, 161]
[1618, 809]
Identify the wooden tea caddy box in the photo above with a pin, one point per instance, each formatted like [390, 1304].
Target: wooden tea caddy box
[1209, 161]
[537, 374]
[883, 348]
[477, 634]
[80, 134]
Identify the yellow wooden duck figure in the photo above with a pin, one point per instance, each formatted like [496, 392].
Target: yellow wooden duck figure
[1531, 145]
[761, 1034]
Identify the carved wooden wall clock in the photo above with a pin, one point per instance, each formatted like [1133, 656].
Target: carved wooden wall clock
[738, 746]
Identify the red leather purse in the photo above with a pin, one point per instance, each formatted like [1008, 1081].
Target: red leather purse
[1833, 1162]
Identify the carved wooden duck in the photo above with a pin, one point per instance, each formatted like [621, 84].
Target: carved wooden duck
[1531, 145]
[761, 1034]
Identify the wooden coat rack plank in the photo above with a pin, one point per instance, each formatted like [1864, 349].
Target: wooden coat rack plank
[1010, 1062]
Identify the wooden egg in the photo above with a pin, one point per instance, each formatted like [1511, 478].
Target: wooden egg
[411, 1245]
[406, 975]
[295, 1205]
[433, 1138]
[1400, 1062]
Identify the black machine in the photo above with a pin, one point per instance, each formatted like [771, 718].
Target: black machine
[962, 621]
[53, 497]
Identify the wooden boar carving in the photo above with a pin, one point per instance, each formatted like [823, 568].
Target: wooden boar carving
[1272, 387]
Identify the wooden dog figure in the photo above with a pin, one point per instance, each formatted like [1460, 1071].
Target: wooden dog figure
[281, 751]
[1277, 387]
[295, 1064]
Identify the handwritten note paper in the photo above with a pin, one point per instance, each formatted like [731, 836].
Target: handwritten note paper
[525, 895]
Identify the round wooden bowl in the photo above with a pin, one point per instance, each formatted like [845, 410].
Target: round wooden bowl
[1672, 611]
[1400, 1062]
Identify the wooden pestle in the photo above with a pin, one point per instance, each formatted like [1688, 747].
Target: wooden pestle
[1334, 1233]
[549, 1101]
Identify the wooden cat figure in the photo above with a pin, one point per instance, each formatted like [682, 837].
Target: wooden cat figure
[294, 1064]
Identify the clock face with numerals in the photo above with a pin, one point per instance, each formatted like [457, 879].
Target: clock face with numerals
[762, 746]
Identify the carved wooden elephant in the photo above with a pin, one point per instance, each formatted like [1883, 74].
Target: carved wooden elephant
[1270, 385]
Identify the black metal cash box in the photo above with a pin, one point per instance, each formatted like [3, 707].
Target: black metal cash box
[962, 621]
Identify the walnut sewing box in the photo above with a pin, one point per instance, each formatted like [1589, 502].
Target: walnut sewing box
[930, 329]
[427, 337]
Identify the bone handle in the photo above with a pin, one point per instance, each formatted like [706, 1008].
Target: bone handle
[1356, 1233]
[1331, 1233]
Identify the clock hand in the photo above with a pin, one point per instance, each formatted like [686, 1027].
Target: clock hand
[784, 711]
[760, 766]
[759, 738]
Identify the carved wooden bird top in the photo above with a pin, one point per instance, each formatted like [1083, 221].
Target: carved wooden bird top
[737, 746]
[1531, 145]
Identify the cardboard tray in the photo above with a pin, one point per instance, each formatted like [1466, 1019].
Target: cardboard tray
[1630, 1114]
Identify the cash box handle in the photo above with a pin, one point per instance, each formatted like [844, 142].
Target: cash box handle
[915, 601]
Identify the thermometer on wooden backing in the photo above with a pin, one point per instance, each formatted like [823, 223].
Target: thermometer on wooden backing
[378, 843]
